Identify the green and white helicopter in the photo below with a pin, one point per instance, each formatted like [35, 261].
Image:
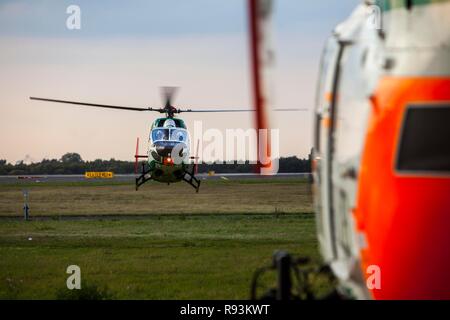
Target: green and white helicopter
[168, 157]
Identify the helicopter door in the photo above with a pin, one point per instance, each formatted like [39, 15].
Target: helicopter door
[323, 146]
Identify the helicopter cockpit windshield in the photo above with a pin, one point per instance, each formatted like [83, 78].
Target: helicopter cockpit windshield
[160, 135]
[175, 135]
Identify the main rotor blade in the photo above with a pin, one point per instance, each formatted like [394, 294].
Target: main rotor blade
[218, 110]
[238, 110]
[289, 110]
[95, 105]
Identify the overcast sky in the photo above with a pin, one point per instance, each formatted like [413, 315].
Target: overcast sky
[126, 50]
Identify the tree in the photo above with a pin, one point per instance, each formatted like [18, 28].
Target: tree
[72, 163]
[71, 157]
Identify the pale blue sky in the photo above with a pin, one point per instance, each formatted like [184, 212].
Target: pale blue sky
[127, 49]
[163, 18]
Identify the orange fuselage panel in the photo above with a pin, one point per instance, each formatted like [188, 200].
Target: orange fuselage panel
[404, 217]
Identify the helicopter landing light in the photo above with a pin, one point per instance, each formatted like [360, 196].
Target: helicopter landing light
[168, 161]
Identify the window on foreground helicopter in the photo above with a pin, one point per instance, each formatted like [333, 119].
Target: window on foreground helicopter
[160, 134]
[424, 145]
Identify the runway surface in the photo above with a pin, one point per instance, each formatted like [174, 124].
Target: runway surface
[131, 177]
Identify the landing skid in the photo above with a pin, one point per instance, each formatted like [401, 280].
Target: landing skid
[144, 177]
[188, 177]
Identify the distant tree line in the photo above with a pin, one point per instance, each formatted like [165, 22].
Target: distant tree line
[72, 163]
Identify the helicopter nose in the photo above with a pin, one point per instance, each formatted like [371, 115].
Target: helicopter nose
[168, 149]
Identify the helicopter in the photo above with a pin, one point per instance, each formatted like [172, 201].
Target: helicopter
[381, 159]
[168, 156]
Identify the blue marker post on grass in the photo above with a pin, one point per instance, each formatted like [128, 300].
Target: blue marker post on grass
[26, 208]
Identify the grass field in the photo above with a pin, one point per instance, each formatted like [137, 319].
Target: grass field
[186, 246]
[102, 198]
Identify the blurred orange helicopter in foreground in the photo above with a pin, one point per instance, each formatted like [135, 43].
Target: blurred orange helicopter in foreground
[381, 156]
[382, 151]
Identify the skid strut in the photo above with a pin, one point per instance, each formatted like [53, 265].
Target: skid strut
[192, 180]
[188, 176]
[144, 177]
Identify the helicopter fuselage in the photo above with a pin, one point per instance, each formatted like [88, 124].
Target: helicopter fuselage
[168, 153]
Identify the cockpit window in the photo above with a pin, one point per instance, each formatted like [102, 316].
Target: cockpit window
[160, 134]
[178, 135]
